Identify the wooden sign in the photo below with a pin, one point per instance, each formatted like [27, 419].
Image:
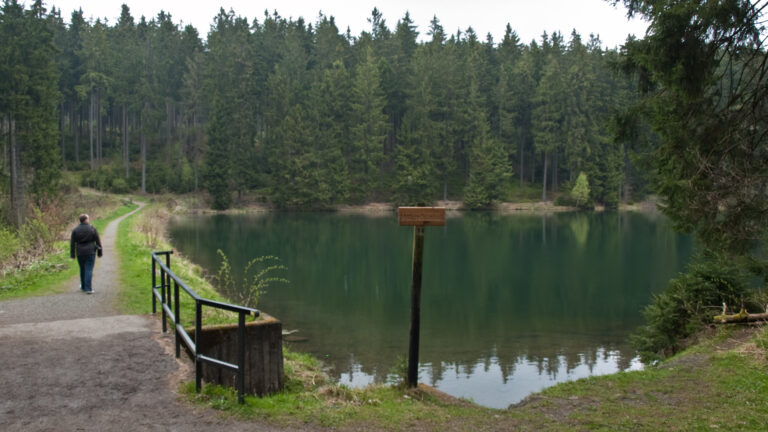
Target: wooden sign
[421, 216]
[418, 217]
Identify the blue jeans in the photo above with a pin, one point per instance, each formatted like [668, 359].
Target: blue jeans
[86, 271]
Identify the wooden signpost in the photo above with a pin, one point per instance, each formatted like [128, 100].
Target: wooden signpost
[418, 217]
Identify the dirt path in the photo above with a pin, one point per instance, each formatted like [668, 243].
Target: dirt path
[71, 363]
[73, 303]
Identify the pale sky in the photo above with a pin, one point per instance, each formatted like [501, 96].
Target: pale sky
[529, 18]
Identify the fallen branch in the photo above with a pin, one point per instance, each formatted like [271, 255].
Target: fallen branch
[742, 316]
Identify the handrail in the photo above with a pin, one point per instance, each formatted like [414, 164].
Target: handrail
[170, 308]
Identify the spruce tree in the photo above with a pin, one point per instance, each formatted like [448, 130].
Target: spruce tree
[703, 68]
[489, 172]
[368, 131]
[28, 100]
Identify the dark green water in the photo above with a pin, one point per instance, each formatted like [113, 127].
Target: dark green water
[510, 304]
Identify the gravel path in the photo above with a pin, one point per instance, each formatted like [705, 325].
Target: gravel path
[73, 303]
[70, 363]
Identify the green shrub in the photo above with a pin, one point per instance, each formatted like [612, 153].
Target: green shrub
[68, 183]
[120, 186]
[9, 244]
[565, 200]
[689, 303]
[476, 197]
[256, 279]
[398, 374]
[43, 227]
[580, 191]
[523, 193]
[111, 178]
[36, 235]
[98, 179]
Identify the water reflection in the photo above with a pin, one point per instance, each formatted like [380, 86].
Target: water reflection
[511, 304]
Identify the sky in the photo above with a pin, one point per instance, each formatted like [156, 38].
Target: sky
[528, 18]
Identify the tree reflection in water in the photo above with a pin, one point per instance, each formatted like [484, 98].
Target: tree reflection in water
[511, 304]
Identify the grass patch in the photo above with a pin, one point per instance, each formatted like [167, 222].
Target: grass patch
[310, 397]
[138, 236]
[51, 274]
[700, 389]
[45, 277]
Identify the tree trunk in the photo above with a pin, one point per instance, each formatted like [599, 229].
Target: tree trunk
[61, 133]
[6, 130]
[126, 161]
[742, 316]
[184, 141]
[100, 129]
[533, 167]
[17, 184]
[76, 128]
[544, 180]
[195, 149]
[554, 174]
[522, 158]
[168, 119]
[625, 181]
[90, 125]
[143, 158]
[445, 188]
[143, 163]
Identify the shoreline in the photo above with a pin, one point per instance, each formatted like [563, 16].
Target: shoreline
[453, 208]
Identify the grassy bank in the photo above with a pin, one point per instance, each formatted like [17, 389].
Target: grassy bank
[138, 236]
[719, 384]
[50, 274]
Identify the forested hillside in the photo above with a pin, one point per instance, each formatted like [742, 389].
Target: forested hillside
[306, 115]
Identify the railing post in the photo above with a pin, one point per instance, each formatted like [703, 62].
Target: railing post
[154, 281]
[162, 299]
[177, 316]
[240, 356]
[198, 344]
[168, 275]
[171, 311]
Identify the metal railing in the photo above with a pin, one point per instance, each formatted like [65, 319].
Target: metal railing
[171, 309]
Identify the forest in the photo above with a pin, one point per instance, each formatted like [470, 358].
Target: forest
[306, 116]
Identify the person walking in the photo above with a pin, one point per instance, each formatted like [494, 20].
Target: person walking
[85, 244]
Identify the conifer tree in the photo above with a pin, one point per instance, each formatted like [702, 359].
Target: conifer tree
[28, 101]
[368, 130]
[548, 117]
[489, 172]
[703, 68]
[580, 191]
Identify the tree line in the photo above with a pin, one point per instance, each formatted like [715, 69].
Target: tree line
[305, 115]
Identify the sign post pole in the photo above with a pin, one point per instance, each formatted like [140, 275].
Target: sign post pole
[413, 346]
[418, 217]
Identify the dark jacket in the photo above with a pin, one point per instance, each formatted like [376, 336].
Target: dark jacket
[84, 241]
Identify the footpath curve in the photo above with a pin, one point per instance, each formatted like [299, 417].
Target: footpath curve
[70, 362]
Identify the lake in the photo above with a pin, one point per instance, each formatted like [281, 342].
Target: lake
[511, 304]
